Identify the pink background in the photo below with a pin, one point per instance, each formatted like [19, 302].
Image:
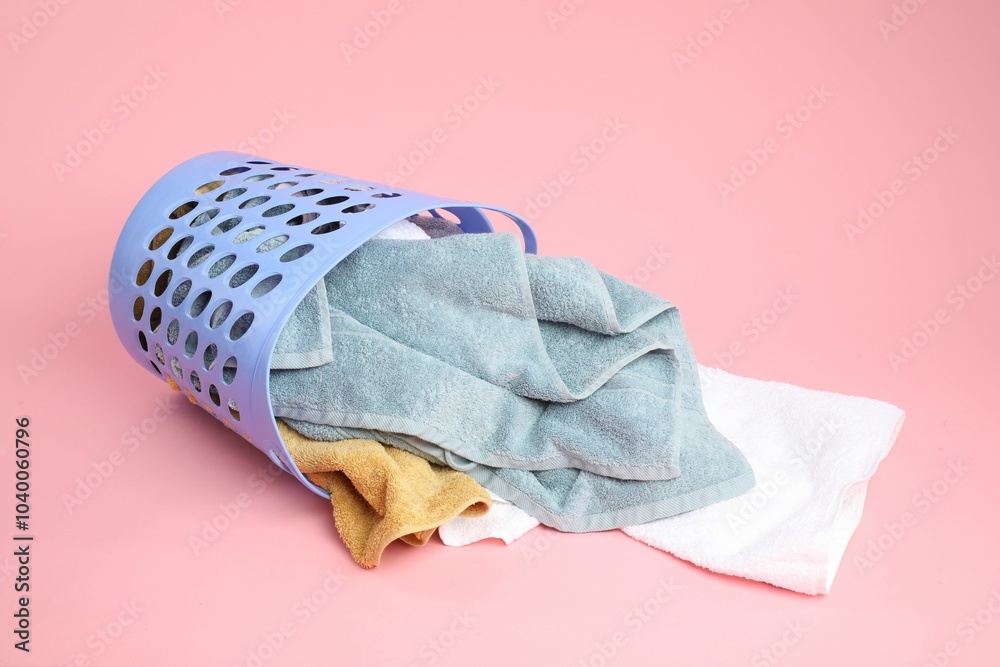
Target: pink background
[228, 76]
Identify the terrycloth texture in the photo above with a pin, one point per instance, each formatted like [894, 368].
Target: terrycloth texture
[304, 341]
[505, 520]
[435, 227]
[467, 306]
[403, 230]
[813, 453]
[561, 388]
[380, 494]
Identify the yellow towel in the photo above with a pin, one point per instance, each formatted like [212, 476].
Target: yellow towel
[381, 493]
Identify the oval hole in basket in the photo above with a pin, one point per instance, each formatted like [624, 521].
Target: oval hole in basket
[301, 219]
[182, 210]
[327, 227]
[220, 314]
[265, 286]
[204, 216]
[255, 201]
[161, 283]
[272, 243]
[191, 344]
[178, 248]
[145, 271]
[280, 209]
[230, 194]
[173, 331]
[160, 238]
[207, 187]
[249, 234]
[155, 317]
[199, 303]
[221, 265]
[257, 177]
[297, 252]
[229, 370]
[180, 293]
[210, 355]
[200, 255]
[226, 225]
[243, 275]
[241, 326]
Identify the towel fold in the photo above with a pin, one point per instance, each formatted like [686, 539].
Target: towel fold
[568, 391]
[380, 493]
[304, 341]
[813, 453]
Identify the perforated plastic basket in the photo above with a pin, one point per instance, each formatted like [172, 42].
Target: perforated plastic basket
[220, 251]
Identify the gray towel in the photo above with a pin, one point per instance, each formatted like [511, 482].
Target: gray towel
[567, 391]
[465, 303]
[434, 226]
[304, 341]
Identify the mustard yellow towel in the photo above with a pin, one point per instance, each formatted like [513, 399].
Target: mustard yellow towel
[382, 493]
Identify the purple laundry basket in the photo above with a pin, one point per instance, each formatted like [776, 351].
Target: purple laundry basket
[221, 250]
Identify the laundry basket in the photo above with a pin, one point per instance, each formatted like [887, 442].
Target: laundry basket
[217, 255]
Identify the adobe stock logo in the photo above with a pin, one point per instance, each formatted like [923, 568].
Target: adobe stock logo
[365, 34]
[913, 168]
[31, 25]
[785, 127]
[923, 502]
[967, 629]
[757, 326]
[712, 30]
[901, 13]
[958, 297]
[562, 12]
[585, 155]
[635, 619]
[121, 108]
[453, 117]
[779, 648]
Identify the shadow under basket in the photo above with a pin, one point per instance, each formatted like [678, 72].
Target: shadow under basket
[217, 255]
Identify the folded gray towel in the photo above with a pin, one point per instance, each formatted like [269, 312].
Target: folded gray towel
[304, 341]
[557, 386]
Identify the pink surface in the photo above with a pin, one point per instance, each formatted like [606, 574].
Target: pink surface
[903, 109]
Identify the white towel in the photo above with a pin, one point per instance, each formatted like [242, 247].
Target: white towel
[504, 520]
[404, 230]
[812, 452]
